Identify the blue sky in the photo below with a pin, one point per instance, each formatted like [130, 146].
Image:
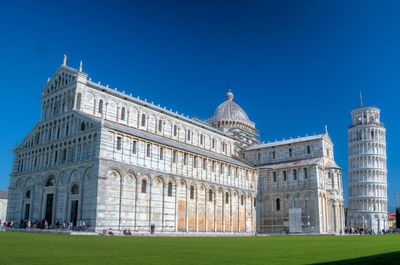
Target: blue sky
[293, 66]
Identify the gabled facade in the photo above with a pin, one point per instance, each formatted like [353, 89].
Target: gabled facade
[119, 162]
[301, 174]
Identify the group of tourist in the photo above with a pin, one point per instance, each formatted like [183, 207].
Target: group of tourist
[44, 224]
[361, 231]
[127, 232]
[7, 225]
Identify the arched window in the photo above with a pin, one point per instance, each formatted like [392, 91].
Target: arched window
[50, 182]
[191, 192]
[278, 204]
[28, 194]
[226, 197]
[82, 126]
[100, 106]
[143, 119]
[144, 184]
[175, 130]
[210, 195]
[44, 113]
[123, 113]
[201, 139]
[174, 154]
[308, 149]
[160, 125]
[290, 152]
[75, 189]
[188, 135]
[78, 101]
[213, 143]
[148, 150]
[169, 189]
[305, 173]
[241, 200]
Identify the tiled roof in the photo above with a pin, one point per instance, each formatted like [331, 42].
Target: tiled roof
[391, 216]
[332, 164]
[297, 163]
[169, 142]
[175, 144]
[3, 194]
[284, 142]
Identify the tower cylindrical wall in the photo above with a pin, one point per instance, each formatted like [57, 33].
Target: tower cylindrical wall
[367, 198]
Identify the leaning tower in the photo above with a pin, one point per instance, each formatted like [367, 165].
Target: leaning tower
[367, 171]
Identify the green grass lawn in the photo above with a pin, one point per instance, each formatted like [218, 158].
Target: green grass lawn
[28, 248]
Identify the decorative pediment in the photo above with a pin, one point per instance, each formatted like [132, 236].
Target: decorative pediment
[64, 76]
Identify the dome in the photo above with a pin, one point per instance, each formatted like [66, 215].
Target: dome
[229, 111]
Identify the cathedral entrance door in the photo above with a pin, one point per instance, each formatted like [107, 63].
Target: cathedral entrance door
[27, 207]
[49, 208]
[74, 212]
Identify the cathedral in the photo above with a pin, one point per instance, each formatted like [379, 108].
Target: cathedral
[116, 161]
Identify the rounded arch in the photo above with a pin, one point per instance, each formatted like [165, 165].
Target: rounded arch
[201, 186]
[50, 181]
[19, 183]
[171, 179]
[75, 175]
[74, 188]
[146, 177]
[132, 175]
[28, 182]
[88, 175]
[157, 180]
[182, 183]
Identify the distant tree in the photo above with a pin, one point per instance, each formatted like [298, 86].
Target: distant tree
[398, 218]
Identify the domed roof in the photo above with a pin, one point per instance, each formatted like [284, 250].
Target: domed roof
[229, 111]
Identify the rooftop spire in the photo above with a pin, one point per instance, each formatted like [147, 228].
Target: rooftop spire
[65, 60]
[80, 67]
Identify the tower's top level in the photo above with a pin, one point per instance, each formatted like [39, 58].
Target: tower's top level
[366, 116]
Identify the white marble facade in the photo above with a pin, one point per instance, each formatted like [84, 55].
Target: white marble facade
[3, 206]
[119, 162]
[298, 173]
[367, 171]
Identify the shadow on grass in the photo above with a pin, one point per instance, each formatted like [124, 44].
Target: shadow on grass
[387, 258]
